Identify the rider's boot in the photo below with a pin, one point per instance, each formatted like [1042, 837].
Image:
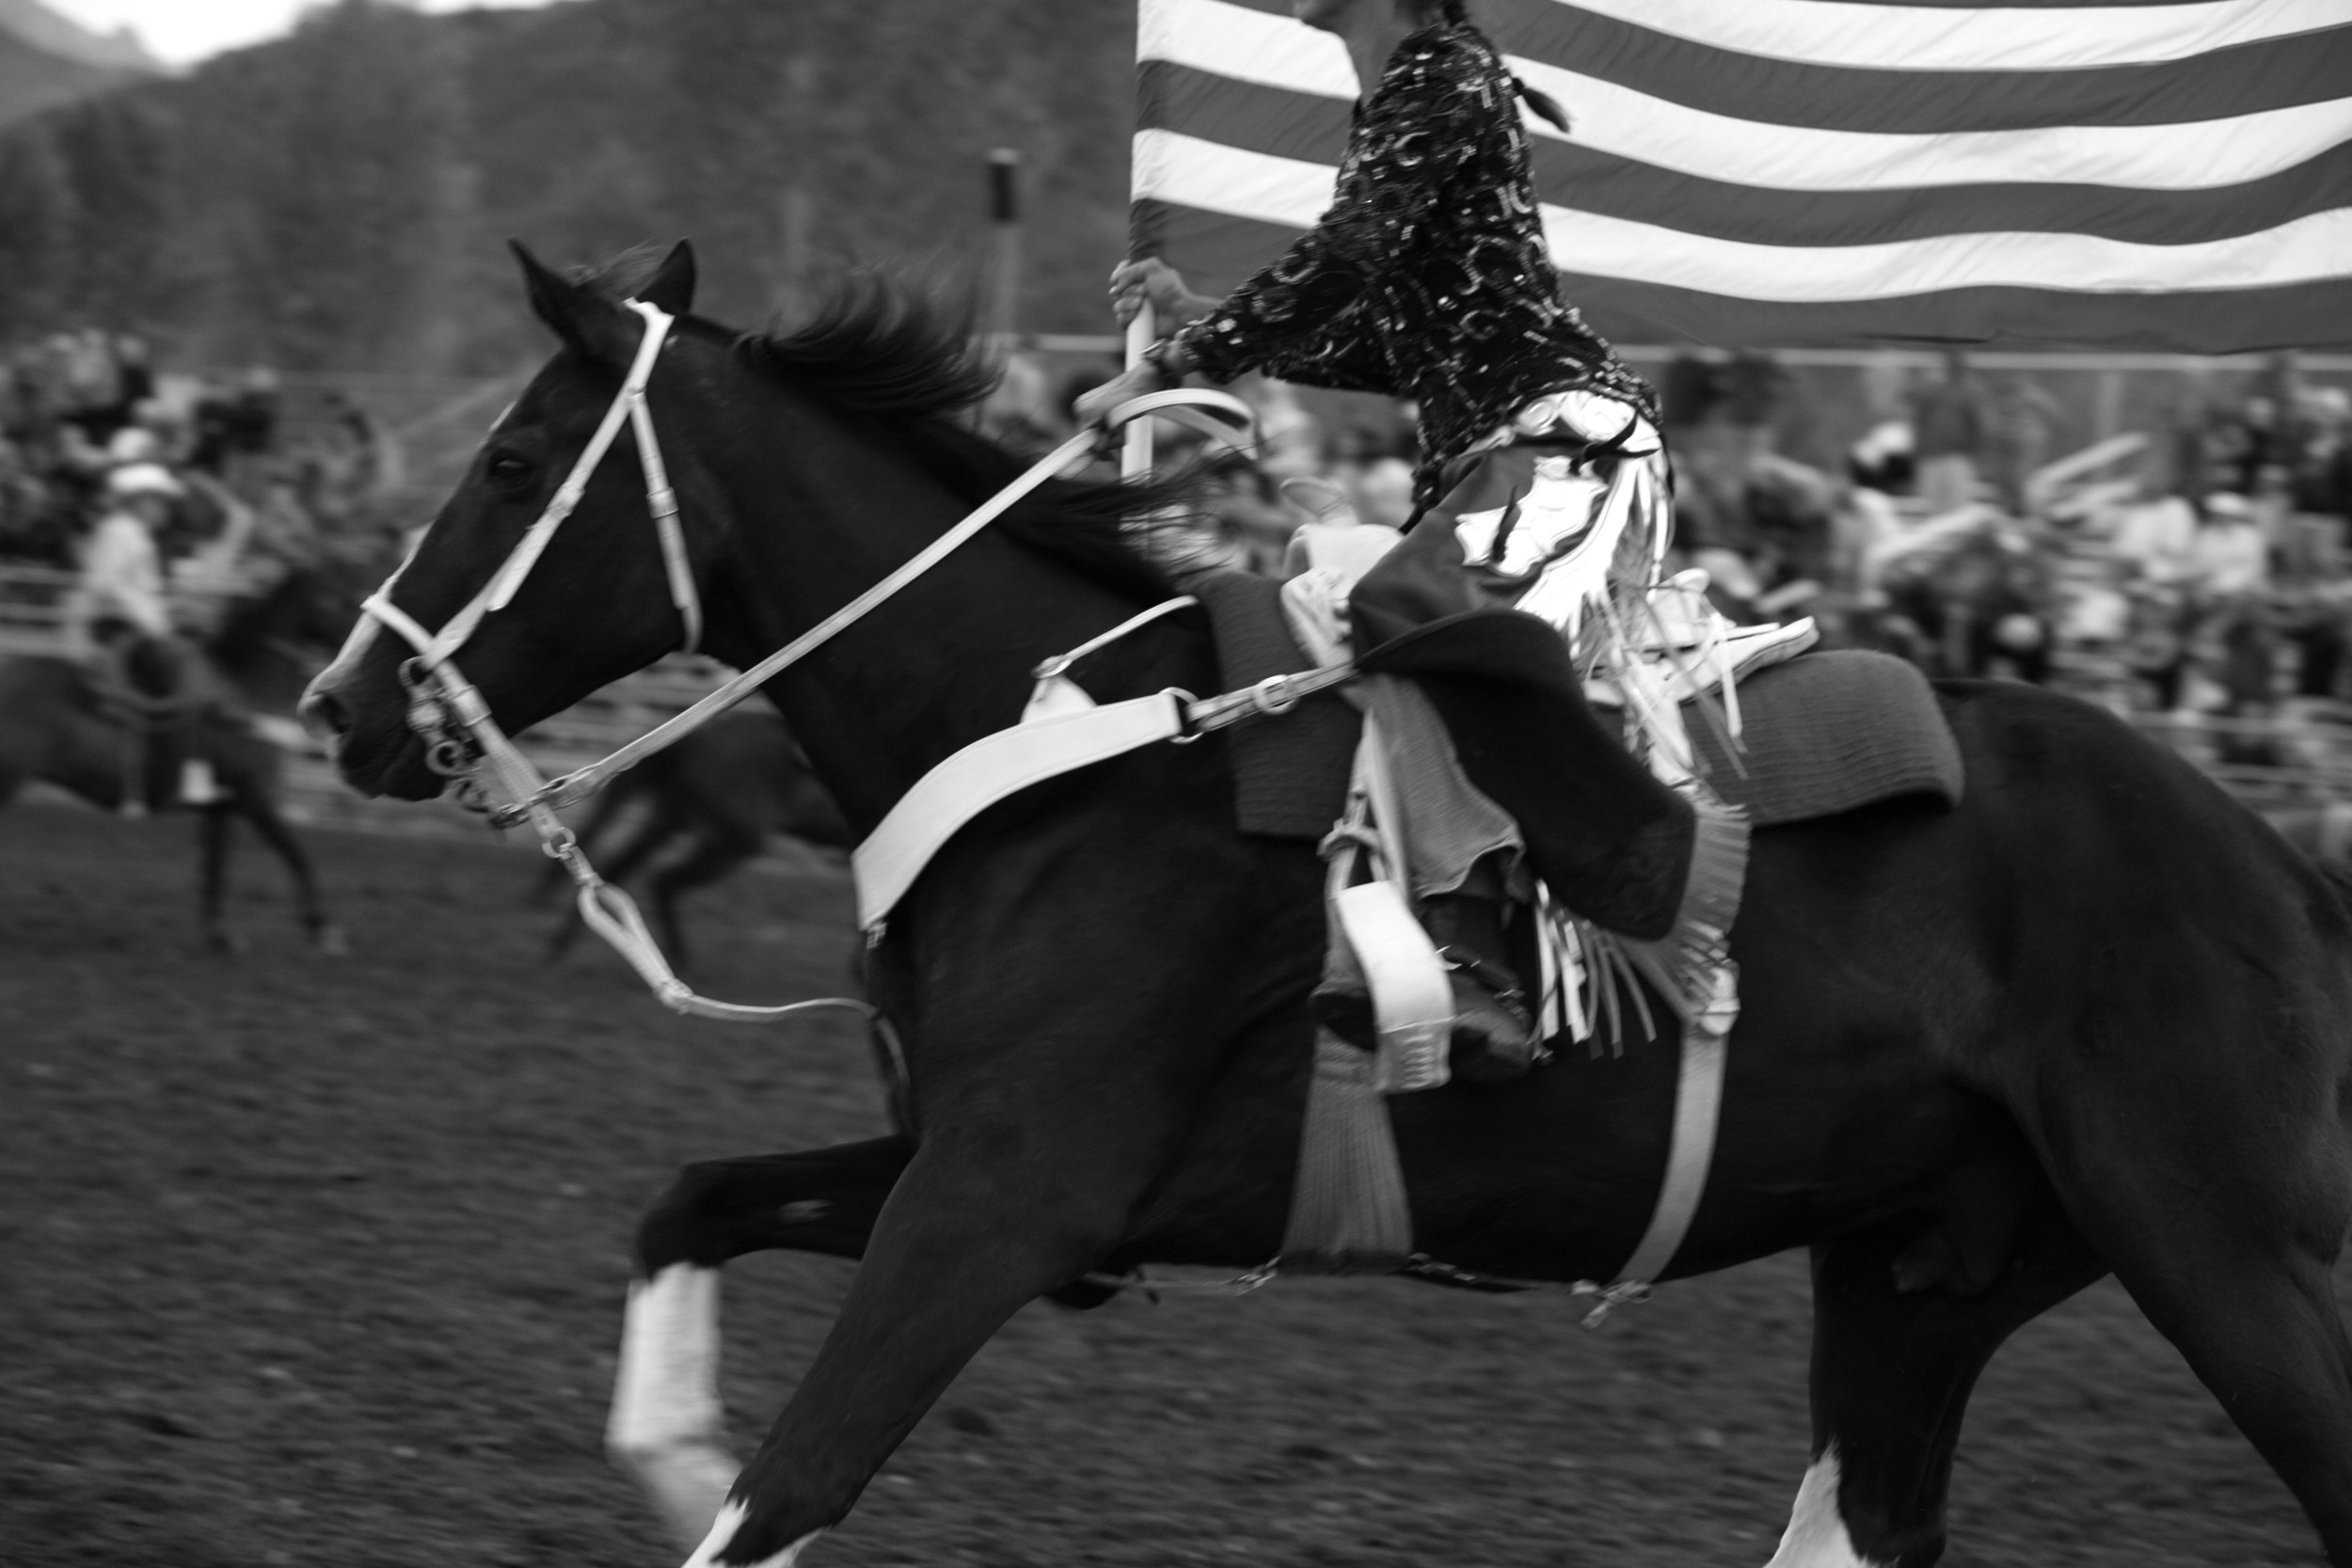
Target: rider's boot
[1494, 1035]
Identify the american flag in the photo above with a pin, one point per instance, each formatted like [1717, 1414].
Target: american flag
[2173, 176]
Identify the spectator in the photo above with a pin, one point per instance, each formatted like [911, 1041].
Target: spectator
[2023, 418]
[1949, 425]
[2321, 486]
[2228, 557]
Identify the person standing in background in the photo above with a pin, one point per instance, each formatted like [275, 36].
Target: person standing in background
[1949, 426]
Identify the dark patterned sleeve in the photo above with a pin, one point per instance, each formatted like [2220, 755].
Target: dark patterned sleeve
[1423, 122]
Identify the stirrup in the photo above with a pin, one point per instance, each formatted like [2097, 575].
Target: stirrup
[1489, 1056]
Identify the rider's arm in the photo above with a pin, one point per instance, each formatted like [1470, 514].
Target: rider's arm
[1421, 123]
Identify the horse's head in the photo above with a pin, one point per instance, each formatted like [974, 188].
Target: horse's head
[598, 603]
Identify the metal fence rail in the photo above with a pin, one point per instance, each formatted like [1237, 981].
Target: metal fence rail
[2298, 757]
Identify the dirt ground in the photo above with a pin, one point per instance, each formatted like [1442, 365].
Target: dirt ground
[319, 1261]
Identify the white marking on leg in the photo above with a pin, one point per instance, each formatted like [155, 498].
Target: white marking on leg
[730, 1518]
[1816, 1537]
[667, 1428]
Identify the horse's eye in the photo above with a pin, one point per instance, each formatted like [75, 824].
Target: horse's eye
[507, 469]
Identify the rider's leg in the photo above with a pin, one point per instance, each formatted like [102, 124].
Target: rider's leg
[1462, 847]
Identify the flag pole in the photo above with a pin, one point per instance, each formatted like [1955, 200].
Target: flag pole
[1135, 460]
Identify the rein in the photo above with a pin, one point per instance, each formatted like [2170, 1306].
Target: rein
[454, 719]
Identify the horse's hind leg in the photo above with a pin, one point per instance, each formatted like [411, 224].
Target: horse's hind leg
[215, 824]
[666, 1428]
[1895, 1356]
[261, 812]
[721, 850]
[2224, 1216]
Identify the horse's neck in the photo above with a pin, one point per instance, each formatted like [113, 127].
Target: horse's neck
[946, 661]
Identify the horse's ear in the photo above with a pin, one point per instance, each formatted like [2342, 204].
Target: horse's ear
[584, 319]
[672, 288]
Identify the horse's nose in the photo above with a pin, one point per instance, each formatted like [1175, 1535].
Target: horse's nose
[324, 713]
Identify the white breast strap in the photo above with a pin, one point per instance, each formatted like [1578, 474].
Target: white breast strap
[994, 769]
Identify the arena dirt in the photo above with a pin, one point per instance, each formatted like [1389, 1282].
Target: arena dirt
[318, 1263]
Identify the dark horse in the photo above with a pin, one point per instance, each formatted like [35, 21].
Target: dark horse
[53, 727]
[2098, 1017]
[725, 789]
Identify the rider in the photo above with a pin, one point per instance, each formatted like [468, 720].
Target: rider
[118, 618]
[119, 599]
[1429, 278]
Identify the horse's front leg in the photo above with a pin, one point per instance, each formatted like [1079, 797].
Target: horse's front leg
[667, 1428]
[1000, 1205]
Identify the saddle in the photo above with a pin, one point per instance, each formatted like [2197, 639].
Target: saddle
[1823, 732]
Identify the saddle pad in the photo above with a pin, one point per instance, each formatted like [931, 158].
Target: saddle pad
[1290, 777]
[1831, 732]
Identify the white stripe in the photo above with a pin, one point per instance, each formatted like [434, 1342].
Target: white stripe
[1246, 45]
[1258, 46]
[1251, 46]
[1169, 167]
[2307, 250]
[2192, 156]
[1195, 173]
[1915, 38]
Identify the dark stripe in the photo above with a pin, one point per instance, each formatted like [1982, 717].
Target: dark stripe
[1481, 11]
[2274, 73]
[2271, 75]
[1295, 125]
[1215, 252]
[2029, 5]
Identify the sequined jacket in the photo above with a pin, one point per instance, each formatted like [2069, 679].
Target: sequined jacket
[1428, 278]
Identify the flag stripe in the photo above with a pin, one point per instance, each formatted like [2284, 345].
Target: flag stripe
[1194, 173]
[1942, 35]
[1222, 40]
[1956, 39]
[1220, 249]
[2180, 170]
[2269, 74]
[1264, 120]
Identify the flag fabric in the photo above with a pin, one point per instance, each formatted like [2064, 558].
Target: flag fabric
[2171, 175]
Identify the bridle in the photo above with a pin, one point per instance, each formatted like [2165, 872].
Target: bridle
[453, 719]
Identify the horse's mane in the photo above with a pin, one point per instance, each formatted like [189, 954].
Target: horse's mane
[909, 365]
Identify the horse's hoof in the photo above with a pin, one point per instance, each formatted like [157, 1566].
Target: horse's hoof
[329, 940]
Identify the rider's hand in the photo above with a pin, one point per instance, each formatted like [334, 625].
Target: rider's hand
[1152, 281]
[1090, 409]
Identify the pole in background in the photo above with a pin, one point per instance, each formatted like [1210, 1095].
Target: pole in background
[1004, 211]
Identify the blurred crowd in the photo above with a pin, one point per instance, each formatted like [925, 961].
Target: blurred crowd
[79, 408]
[2198, 566]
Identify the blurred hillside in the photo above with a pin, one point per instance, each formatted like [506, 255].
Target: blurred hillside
[340, 198]
[46, 60]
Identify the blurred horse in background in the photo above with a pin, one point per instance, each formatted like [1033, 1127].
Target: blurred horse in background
[726, 789]
[56, 726]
